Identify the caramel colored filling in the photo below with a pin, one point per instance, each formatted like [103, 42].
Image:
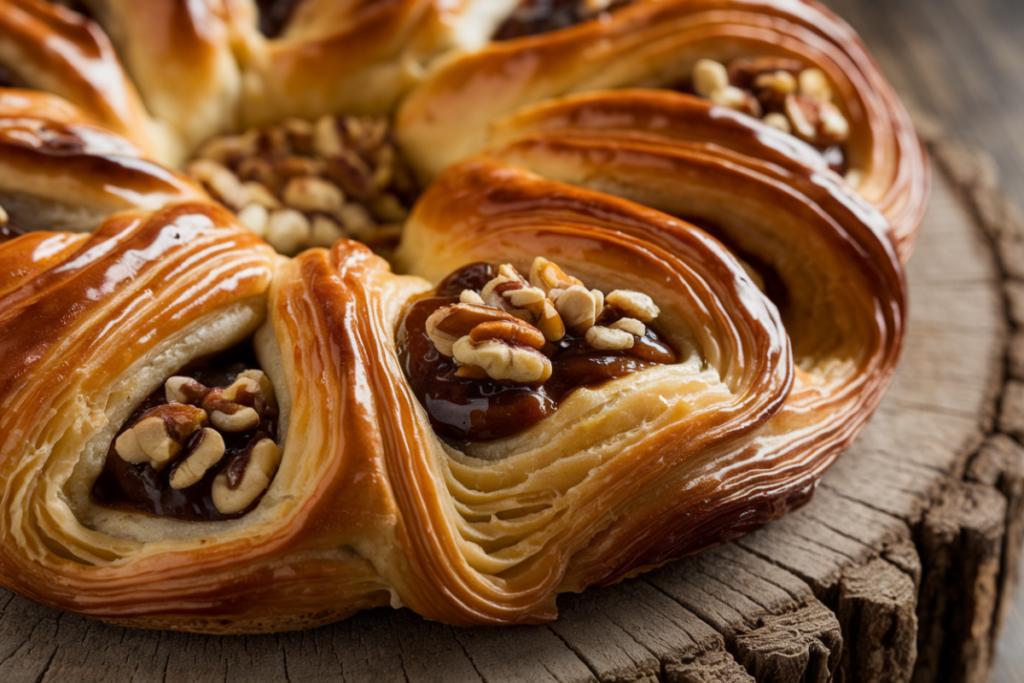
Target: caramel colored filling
[143, 487]
[534, 17]
[473, 408]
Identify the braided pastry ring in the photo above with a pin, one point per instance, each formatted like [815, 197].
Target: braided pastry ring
[369, 506]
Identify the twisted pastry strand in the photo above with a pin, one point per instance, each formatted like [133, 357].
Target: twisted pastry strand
[777, 285]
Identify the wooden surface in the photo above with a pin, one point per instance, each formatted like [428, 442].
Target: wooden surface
[897, 570]
[900, 560]
[962, 63]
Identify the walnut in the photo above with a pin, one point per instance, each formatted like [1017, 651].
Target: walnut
[631, 325]
[502, 360]
[448, 324]
[578, 308]
[709, 76]
[608, 339]
[634, 304]
[233, 497]
[158, 436]
[206, 453]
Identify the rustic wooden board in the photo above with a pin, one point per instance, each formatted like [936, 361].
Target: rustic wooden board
[898, 570]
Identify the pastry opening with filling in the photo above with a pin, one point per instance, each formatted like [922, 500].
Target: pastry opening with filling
[784, 94]
[489, 353]
[204, 446]
[305, 184]
[534, 17]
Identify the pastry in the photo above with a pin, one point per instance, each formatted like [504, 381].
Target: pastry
[795, 65]
[632, 324]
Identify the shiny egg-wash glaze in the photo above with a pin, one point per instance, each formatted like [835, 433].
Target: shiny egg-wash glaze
[655, 45]
[370, 507]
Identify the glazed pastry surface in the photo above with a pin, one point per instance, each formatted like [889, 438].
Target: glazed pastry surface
[742, 288]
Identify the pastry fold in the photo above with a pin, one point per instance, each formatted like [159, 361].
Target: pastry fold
[60, 170]
[47, 47]
[656, 45]
[780, 290]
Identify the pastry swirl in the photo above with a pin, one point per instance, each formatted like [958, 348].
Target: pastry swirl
[199, 433]
[657, 45]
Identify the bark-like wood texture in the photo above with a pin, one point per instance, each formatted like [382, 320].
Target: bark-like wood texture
[899, 569]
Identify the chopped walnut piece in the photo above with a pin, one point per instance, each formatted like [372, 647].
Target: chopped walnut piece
[634, 304]
[546, 275]
[288, 231]
[256, 218]
[159, 435]
[501, 360]
[738, 99]
[709, 77]
[819, 123]
[468, 296]
[631, 325]
[206, 453]
[313, 194]
[779, 122]
[814, 85]
[4, 218]
[608, 339]
[345, 169]
[447, 325]
[260, 468]
[579, 308]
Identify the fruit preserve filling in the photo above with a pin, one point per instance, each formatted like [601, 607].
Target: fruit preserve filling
[274, 15]
[490, 353]
[784, 94]
[534, 17]
[201, 447]
[306, 184]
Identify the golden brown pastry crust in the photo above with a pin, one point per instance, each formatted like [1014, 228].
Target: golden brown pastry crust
[47, 47]
[656, 45]
[640, 189]
[59, 170]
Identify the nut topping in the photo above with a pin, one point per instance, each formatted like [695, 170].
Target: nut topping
[501, 360]
[608, 339]
[781, 92]
[468, 296]
[579, 308]
[316, 182]
[631, 325]
[634, 304]
[159, 435]
[260, 466]
[4, 218]
[506, 331]
[207, 453]
[490, 354]
[449, 324]
[709, 77]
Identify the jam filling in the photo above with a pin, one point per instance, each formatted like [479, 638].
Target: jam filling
[784, 93]
[534, 17]
[147, 486]
[303, 184]
[474, 407]
[274, 15]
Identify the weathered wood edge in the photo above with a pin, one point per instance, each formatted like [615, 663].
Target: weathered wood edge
[837, 591]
